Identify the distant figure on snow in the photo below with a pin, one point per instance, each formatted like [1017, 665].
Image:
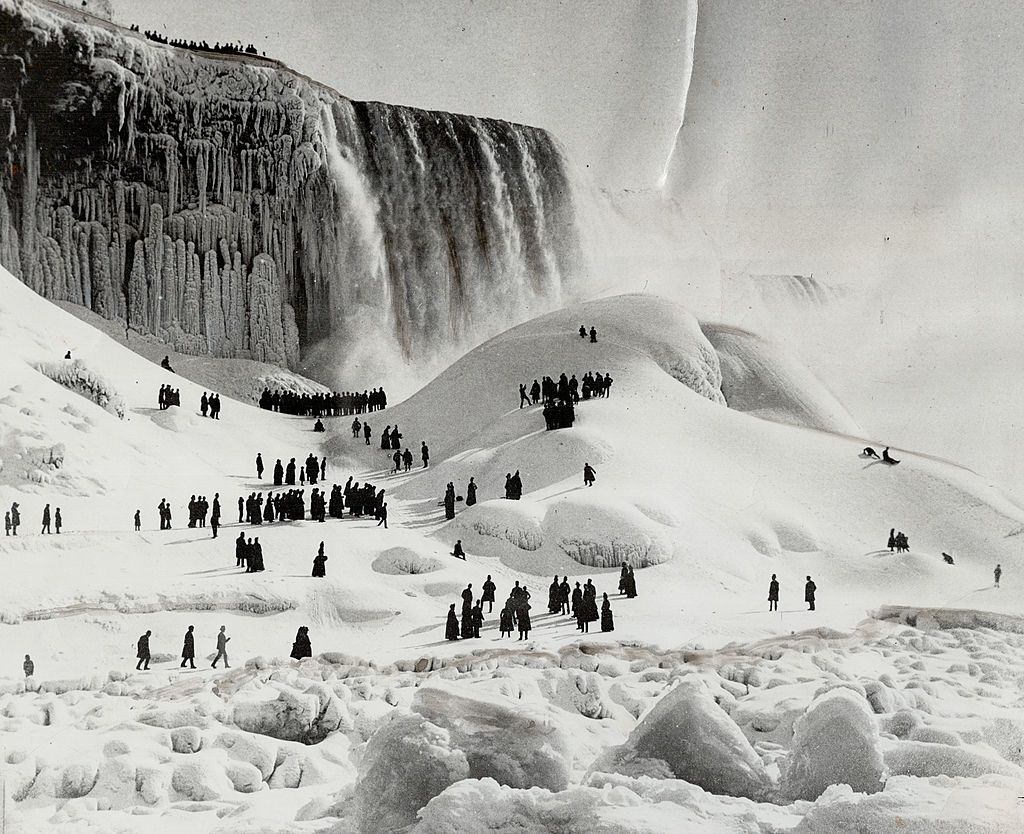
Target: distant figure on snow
[607, 622]
[320, 563]
[301, 647]
[809, 590]
[505, 621]
[204, 404]
[15, 519]
[259, 465]
[892, 539]
[471, 493]
[143, 651]
[7, 523]
[593, 335]
[488, 595]
[524, 398]
[29, 667]
[458, 552]
[451, 626]
[998, 572]
[773, 594]
[222, 648]
[949, 559]
[318, 426]
[188, 649]
[887, 458]
[589, 474]
[138, 520]
[869, 453]
[46, 519]
[166, 364]
[57, 521]
[583, 331]
[425, 454]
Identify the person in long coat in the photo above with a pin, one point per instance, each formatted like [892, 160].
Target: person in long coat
[188, 649]
[467, 622]
[46, 519]
[449, 503]
[259, 465]
[301, 647]
[478, 618]
[589, 474]
[524, 621]
[809, 590]
[471, 493]
[577, 601]
[143, 651]
[554, 597]
[630, 582]
[623, 578]
[240, 552]
[256, 558]
[773, 594]
[607, 622]
[320, 563]
[278, 473]
[58, 522]
[222, 648]
[451, 626]
[488, 594]
[892, 540]
[289, 473]
[505, 620]
[564, 593]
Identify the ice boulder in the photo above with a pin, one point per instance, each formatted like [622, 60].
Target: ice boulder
[201, 779]
[401, 560]
[836, 742]
[518, 745]
[604, 534]
[688, 736]
[283, 712]
[406, 763]
[508, 522]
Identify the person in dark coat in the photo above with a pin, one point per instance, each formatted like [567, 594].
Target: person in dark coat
[583, 331]
[589, 474]
[809, 590]
[396, 439]
[477, 618]
[564, 593]
[892, 539]
[466, 630]
[367, 431]
[259, 466]
[508, 485]
[215, 514]
[166, 364]
[467, 597]
[301, 647]
[241, 509]
[46, 519]
[385, 438]
[15, 519]
[887, 458]
[523, 613]
[505, 620]
[773, 594]
[188, 649]
[407, 460]
[425, 454]
[143, 651]
[397, 458]
[138, 520]
[289, 473]
[593, 335]
[607, 622]
[28, 666]
[204, 404]
[57, 521]
[451, 626]
[278, 473]
[7, 523]
[535, 392]
[222, 648]
[471, 493]
[382, 516]
[488, 595]
[998, 574]
[577, 601]
[554, 596]
[459, 553]
[630, 582]
[320, 563]
[449, 503]
[240, 551]
[256, 560]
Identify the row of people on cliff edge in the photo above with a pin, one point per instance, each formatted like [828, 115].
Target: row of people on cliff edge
[334, 404]
[566, 389]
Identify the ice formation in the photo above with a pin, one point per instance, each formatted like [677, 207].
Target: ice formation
[237, 209]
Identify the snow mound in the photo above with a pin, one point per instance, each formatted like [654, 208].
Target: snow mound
[924, 758]
[762, 379]
[509, 741]
[514, 522]
[835, 742]
[397, 561]
[73, 374]
[688, 736]
[284, 712]
[606, 534]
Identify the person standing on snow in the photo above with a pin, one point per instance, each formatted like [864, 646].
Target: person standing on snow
[773, 594]
[188, 649]
[998, 572]
[809, 590]
[425, 454]
[259, 465]
[57, 520]
[589, 474]
[222, 649]
[143, 651]
[46, 519]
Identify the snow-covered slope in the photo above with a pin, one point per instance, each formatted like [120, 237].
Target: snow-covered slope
[706, 501]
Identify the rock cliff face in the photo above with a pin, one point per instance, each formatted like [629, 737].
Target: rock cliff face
[237, 209]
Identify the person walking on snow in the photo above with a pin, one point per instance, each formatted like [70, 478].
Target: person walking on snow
[46, 519]
[259, 466]
[367, 432]
[383, 516]
[222, 649]
[29, 667]
[488, 595]
[998, 572]
[7, 523]
[524, 398]
[143, 652]
[188, 649]
[593, 335]
[589, 474]
[15, 519]
[138, 520]
[583, 331]
[809, 590]
[57, 520]
[425, 454]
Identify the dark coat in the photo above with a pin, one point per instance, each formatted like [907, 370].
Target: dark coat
[524, 618]
[451, 626]
[301, 647]
[505, 619]
[470, 494]
[188, 649]
[143, 652]
[320, 566]
[489, 589]
[607, 621]
[773, 591]
[809, 590]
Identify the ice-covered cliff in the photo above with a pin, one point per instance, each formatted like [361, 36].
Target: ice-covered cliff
[236, 208]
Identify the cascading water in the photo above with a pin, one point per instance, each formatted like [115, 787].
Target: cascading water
[244, 211]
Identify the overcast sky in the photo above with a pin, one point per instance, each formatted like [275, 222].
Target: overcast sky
[608, 77]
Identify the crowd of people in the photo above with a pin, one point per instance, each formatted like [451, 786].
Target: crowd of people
[333, 404]
[168, 396]
[312, 470]
[198, 46]
[249, 554]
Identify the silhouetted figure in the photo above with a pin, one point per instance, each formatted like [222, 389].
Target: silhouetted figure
[425, 454]
[57, 521]
[46, 519]
[869, 453]
[589, 474]
[166, 364]
[259, 466]
[222, 649]
[630, 583]
[488, 594]
[998, 572]
[523, 615]
[407, 460]
[16, 518]
[188, 649]
[7, 523]
[524, 398]
[554, 597]
[204, 404]
[773, 594]
[138, 520]
[451, 626]
[320, 563]
[289, 473]
[892, 539]
[301, 647]
[887, 458]
[29, 667]
[583, 331]
[318, 426]
[471, 493]
[809, 590]
[477, 619]
[143, 651]
[458, 552]
[535, 392]
[607, 622]
[505, 620]
[593, 335]
[564, 592]
[947, 558]
[278, 473]
[367, 432]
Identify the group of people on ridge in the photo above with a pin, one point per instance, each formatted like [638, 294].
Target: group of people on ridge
[898, 542]
[210, 403]
[334, 404]
[810, 589]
